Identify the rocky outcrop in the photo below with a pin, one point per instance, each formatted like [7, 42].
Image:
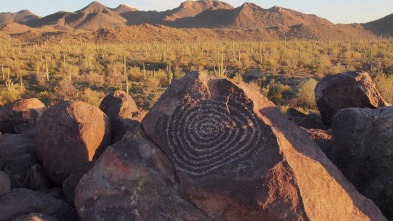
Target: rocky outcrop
[21, 202]
[70, 134]
[237, 157]
[121, 110]
[362, 149]
[132, 180]
[309, 121]
[21, 115]
[345, 90]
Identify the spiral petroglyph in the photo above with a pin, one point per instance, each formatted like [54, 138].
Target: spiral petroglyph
[205, 135]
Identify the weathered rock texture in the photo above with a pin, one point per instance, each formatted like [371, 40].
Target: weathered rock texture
[21, 202]
[310, 121]
[323, 138]
[36, 217]
[72, 181]
[345, 90]
[68, 135]
[132, 180]
[38, 178]
[16, 157]
[121, 110]
[21, 115]
[5, 183]
[238, 158]
[362, 149]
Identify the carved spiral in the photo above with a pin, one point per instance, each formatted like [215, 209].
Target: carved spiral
[208, 134]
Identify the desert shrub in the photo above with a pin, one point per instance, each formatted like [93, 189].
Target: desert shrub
[91, 97]
[11, 92]
[306, 94]
[384, 84]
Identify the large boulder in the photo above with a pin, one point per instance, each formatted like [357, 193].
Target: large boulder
[15, 145]
[21, 115]
[133, 180]
[121, 109]
[68, 135]
[345, 90]
[362, 149]
[238, 158]
[19, 202]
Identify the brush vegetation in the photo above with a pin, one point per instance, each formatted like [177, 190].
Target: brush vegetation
[287, 71]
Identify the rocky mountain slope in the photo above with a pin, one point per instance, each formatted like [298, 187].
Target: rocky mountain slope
[20, 17]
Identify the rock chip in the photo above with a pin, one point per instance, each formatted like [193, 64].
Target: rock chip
[132, 180]
[38, 178]
[19, 202]
[5, 183]
[345, 90]
[237, 157]
[362, 149]
[309, 121]
[121, 109]
[21, 115]
[68, 135]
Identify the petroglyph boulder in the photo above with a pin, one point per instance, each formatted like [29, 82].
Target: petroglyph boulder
[345, 90]
[21, 115]
[121, 110]
[68, 135]
[238, 158]
[362, 149]
[132, 180]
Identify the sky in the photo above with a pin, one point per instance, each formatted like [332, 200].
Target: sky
[336, 11]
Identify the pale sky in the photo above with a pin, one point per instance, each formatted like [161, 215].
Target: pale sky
[337, 11]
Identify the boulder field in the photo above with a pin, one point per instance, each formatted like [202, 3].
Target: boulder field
[209, 149]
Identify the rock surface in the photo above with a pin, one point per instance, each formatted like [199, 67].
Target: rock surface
[70, 134]
[323, 138]
[310, 121]
[345, 90]
[18, 170]
[362, 149]
[237, 157]
[5, 183]
[21, 202]
[36, 217]
[38, 178]
[72, 181]
[21, 115]
[15, 145]
[119, 107]
[132, 180]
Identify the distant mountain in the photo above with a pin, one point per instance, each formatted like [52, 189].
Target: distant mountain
[20, 17]
[383, 26]
[273, 22]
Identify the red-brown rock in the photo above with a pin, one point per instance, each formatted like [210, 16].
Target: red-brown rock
[70, 134]
[238, 158]
[323, 138]
[345, 90]
[133, 180]
[21, 115]
[309, 121]
[121, 109]
[36, 217]
[362, 148]
[21, 202]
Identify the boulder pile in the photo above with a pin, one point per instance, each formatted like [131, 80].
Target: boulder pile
[209, 149]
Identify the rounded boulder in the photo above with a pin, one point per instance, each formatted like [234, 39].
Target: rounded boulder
[70, 134]
[21, 115]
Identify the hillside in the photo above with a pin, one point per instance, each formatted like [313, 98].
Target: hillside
[383, 26]
[20, 17]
